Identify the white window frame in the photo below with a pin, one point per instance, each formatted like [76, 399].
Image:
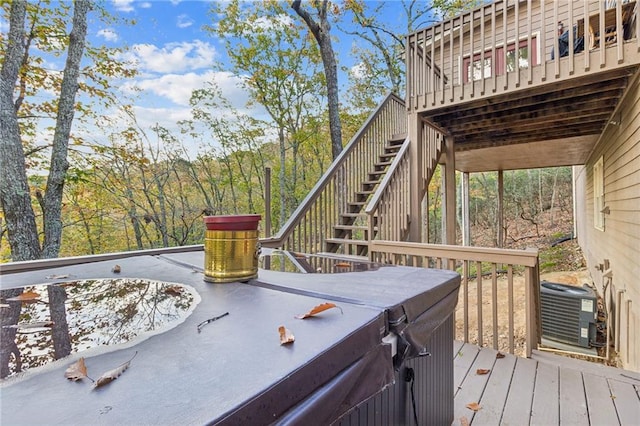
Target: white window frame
[598, 194]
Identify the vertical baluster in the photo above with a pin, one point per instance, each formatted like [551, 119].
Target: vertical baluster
[543, 40]
[471, 54]
[451, 49]
[601, 43]
[620, 32]
[510, 307]
[494, 59]
[494, 304]
[556, 44]
[482, 52]
[461, 64]
[479, 300]
[529, 44]
[517, 44]
[505, 42]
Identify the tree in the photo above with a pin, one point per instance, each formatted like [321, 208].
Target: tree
[321, 30]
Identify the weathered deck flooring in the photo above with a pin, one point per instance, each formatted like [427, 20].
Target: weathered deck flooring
[545, 390]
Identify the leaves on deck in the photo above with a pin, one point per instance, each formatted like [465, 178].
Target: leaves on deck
[464, 421]
[116, 269]
[76, 371]
[286, 336]
[500, 355]
[317, 309]
[474, 406]
[482, 371]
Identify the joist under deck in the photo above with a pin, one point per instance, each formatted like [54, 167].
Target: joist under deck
[544, 390]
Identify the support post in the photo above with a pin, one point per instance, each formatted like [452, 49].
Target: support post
[466, 226]
[416, 178]
[500, 235]
[449, 193]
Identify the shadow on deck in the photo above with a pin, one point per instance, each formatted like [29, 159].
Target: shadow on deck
[544, 390]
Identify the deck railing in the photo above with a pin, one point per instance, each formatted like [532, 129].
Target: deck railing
[465, 57]
[499, 295]
[314, 220]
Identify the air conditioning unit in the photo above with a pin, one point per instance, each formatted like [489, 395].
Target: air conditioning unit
[568, 313]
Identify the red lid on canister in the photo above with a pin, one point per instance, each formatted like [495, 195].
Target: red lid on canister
[247, 222]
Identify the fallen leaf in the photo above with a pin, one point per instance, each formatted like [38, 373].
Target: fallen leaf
[317, 309]
[474, 406]
[27, 297]
[76, 371]
[285, 335]
[464, 421]
[116, 269]
[481, 371]
[174, 290]
[111, 375]
[343, 265]
[500, 355]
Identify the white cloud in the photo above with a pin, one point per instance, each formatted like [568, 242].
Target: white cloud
[183, 21]
[123, 5]
[145, 5]
[358, 71]
[173, 57]
[178, 87]
[109, 34]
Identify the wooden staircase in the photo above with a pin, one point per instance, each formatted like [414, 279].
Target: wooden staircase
[351, 233]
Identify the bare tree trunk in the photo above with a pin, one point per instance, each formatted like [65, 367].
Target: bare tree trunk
[321, 32]
[15, 198]
[66, 107]
[9, 316]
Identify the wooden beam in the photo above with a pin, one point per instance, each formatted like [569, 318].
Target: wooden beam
[449, 193]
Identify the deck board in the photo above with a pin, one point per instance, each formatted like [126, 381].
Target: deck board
[495, 394]
[627, 402]
[546, 390]
[518, 405]
[474, 384]
[546, 410]
[600, 408]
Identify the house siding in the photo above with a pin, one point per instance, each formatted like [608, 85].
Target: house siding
[620, 240]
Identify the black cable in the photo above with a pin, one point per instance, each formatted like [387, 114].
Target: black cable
[409, 376]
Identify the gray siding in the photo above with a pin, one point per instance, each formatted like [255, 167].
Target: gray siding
[620, 240]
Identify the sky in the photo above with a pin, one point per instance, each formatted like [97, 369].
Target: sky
[174, 56]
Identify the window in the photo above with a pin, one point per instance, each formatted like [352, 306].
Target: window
[483, 65]
[598, 195]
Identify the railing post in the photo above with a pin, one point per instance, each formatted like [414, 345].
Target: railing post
[532, 306]
[449, 193]
[415, 134]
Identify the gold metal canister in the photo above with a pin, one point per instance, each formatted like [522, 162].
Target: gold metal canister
[230, 255]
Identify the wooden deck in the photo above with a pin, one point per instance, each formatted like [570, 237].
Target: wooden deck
[546, 389]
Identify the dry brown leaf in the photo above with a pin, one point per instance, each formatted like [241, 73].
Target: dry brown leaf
[116, 269]
[343, 265]
[76, 371]
[317, 309]
[111, 375]
[174, 290]
[464, 421]
[500, 355]
[481, 371]
[26, 297]
[286, 336]
[474, 406]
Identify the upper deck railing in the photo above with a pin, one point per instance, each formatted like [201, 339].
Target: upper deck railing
[510, 45]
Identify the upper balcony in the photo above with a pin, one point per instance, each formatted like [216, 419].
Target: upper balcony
[514, 72]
